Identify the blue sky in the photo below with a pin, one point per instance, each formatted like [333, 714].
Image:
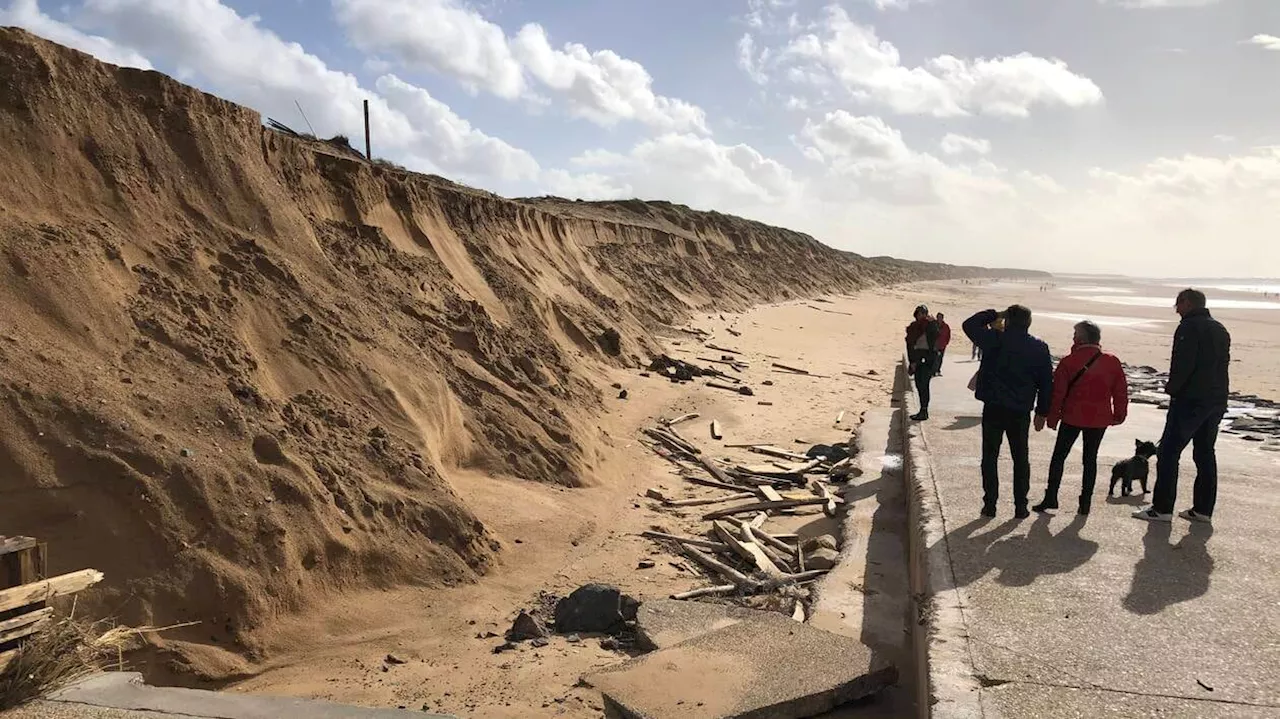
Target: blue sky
[1138, 136]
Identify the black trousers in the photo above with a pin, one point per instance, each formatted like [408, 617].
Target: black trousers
[997, 424]
[1195, 423]
[1067, 435]
[942, 355]
[926, 368]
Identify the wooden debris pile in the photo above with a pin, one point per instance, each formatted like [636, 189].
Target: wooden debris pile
[737, 550]
[25, 591]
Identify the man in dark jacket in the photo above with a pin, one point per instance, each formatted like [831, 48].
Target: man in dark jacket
[922, 353]
[1015, 377]
[1198, 386]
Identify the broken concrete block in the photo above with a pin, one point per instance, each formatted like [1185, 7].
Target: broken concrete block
[822, 559]
[822, 541]
[780, 670]
[594, 608]
[662, 623]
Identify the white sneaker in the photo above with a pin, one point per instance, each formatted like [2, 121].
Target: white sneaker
[1192, 515]
[1149, 514]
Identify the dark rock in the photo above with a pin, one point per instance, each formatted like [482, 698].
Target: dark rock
[591, 608]
[622, 394]
[393, 659]
[187, 452]
[645, 564]
[540, 642]
[526, 626]
[610, 644]
[610, 342]
[504, 647]
[617, 385]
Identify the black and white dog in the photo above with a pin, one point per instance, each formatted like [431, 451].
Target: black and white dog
[1136, 467]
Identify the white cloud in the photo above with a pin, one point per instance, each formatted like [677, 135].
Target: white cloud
[26, 14]
[748, 60]
[686, 168]
[448, 37]
[602, 86]
[443, 37]
[953, 144]
[1266, 42]
[1159, 4]
[870, 69]
[248, 64]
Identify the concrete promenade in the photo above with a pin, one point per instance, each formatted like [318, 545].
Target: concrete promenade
[1098, 616]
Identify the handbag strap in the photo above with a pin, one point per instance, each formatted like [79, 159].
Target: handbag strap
[1080, 374]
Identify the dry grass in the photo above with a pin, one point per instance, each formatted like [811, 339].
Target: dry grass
[64, 651]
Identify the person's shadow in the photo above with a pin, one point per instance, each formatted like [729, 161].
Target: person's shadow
[1167, 575]
[1019, 560]
[962, 423]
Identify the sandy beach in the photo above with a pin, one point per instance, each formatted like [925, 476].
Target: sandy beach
[559, 539]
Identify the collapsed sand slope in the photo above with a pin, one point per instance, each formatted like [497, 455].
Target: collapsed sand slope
[238, 367]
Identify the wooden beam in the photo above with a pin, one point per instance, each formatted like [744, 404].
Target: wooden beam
[769, 494]
[711, 500]
[707, 592]
[24, 625]
[48, 589]
[724, 570]
[769, 539]
[749, 551]
[16, 544]
[713, 469]
[704, 543]
[759, 520]
[681, 418]
[762, 507]
[715, 430]
[710, 482]
[820, 489]
[782, 453]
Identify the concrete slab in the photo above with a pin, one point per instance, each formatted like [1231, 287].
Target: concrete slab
[1105, 604]
[663, 623]
[867, 596]
[126, 691]
[749, 670]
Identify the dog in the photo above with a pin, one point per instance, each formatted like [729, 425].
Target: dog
[1136, 467]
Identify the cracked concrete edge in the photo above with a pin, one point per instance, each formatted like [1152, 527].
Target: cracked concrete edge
[948, 686]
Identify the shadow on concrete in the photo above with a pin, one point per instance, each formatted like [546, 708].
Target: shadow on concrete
[963, 423]
[1133, 500]
[1167, 575]
[1018, 560]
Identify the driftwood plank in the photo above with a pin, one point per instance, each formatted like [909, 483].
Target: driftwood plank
[715, 430]
[713, 469]
[762, 507]
[769, 494]
[781, 453]
[710, 482]
[821, 490]
[724, 570]
[707, 592]
[703, 543]
[24, 625]
[749, 551]
[16, 544]
[722, 349]
[48, 589]
[710, 500]
[681, 418]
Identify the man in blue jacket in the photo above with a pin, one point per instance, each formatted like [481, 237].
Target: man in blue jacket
[1015, 377]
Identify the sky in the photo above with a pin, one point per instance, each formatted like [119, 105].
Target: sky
[1137, 137]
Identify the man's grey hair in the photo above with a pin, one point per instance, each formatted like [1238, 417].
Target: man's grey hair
[1092, 332]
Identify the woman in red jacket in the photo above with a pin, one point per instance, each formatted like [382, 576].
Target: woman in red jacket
[1090, 394]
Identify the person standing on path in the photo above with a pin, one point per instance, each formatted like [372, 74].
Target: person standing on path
[944, 339]
[1015, 377]
[1090, 394]
[1198, 386]
[922, 353]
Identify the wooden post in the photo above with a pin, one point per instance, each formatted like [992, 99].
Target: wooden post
[368, 149]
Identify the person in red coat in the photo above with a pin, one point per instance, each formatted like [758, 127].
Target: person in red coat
[1090, 394]
[944, 339]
